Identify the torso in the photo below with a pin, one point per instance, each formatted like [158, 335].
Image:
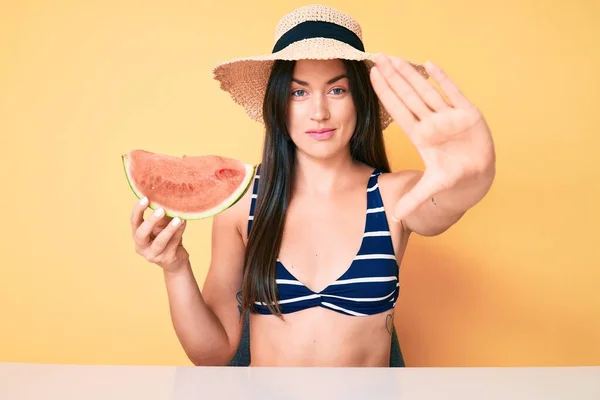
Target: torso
[320, 240]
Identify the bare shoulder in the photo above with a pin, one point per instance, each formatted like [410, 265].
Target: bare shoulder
[391, 186]
[237, 214]
[394, 185]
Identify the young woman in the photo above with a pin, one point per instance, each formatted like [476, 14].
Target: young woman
[311, 254]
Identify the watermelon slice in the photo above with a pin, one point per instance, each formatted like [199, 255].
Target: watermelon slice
[188, 187]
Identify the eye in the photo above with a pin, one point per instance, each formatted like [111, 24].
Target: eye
[338, 91]
[298, 93]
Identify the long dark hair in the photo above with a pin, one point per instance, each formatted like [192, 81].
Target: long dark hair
[277, 174]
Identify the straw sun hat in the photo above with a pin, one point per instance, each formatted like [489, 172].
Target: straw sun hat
[309, 32]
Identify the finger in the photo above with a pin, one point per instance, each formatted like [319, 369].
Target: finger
[405, 92]
[449, 88]
[176, 238]
[424, 89]
[391, 102]
[164, 237]
[137, 214]
[143, 232]
[161, 224]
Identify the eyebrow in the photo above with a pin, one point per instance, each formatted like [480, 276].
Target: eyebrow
[329, 82]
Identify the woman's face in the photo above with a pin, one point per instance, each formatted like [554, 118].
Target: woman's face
[322, 116]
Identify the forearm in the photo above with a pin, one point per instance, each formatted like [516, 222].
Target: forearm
[199, 331]
[455, 201]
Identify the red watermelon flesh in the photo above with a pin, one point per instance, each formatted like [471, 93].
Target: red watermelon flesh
[189, 187]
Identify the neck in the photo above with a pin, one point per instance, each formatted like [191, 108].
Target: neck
[323, 177]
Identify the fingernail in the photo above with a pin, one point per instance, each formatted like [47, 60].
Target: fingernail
[159, 212]
[394, 219]
[144, 201]
[176, 221]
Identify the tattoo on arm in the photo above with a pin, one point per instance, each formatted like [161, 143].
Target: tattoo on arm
[389, 323]
[238, 296]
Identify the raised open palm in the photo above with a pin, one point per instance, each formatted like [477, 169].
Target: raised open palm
[450, 133]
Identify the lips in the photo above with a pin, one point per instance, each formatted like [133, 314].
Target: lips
[323, 130]
[321, 134]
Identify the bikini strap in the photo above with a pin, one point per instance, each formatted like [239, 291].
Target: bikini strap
[377, 220]
[253, 200]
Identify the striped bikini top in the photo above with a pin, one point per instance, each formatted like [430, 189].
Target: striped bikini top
[369, 285]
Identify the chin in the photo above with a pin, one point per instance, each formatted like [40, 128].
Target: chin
[323, 150]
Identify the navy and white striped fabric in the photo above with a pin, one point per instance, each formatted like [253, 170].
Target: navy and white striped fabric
[370, 284]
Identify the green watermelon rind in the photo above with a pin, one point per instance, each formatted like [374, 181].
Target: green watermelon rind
[224, 205]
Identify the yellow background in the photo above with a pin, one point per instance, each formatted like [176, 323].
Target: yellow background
[516, 282]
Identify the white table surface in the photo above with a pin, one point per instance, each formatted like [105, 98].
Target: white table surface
[58, 381]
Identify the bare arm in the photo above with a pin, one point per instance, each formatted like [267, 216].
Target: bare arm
[208, 324]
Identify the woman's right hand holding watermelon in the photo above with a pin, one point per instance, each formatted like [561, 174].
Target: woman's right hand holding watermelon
[159, 238]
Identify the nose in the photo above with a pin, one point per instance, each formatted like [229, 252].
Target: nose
[320, 109]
